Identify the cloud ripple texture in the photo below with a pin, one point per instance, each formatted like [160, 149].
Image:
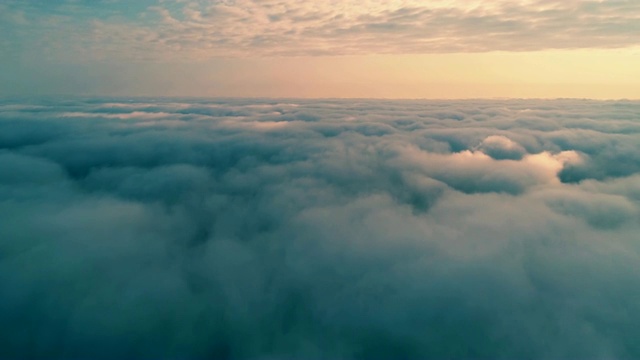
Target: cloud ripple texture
[342, 229]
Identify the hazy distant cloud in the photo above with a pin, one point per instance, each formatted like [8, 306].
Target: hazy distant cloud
[205, 29]
[167, 228]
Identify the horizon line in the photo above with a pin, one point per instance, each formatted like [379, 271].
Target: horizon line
[298, 98]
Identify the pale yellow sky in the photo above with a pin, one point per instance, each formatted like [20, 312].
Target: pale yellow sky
[586, 73]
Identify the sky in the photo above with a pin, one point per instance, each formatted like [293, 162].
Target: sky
[298, 48]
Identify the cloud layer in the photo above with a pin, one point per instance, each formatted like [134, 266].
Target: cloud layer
[205, 29]
[319, 229]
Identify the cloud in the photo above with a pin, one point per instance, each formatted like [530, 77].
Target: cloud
[205, 29]
[319, 228]
[502, 148]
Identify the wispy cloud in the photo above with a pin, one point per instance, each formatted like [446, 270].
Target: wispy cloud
[205, 29]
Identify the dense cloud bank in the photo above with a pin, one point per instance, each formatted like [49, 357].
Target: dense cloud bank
[154, 228]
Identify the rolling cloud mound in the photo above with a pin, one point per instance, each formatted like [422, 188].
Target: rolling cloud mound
[185, 228]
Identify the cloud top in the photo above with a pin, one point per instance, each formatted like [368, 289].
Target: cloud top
[358, 229]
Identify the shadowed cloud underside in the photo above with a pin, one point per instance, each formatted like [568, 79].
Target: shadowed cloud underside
[205, 29]
[447, 49]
